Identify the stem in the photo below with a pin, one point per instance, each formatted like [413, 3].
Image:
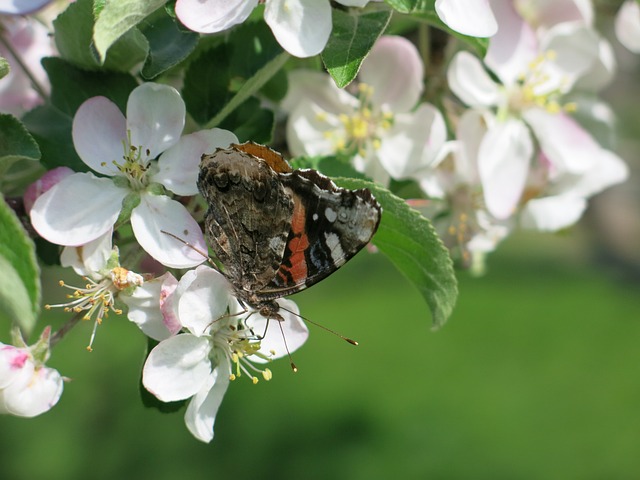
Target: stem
[16, 57]
[60, 333]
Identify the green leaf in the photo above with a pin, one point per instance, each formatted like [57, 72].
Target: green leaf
[251, 122]
[15, 142]
[4, 67]
[71, 86]
[20, 279]
[168, 44]
[425, 10]
[224, 77]
[74, 41]
[117, 18]
[52, 130]
[409, 240]
[352, 38]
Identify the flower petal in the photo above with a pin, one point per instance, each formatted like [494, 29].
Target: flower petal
[293, 330]
[413, 143]
[552, 213]
[158, 213]
[203, 407]
[145, 307]
[43, 184]
[179, 165]
[301, 27]
[503, 164]
[39, 395]
[395, 71]
[469, 17]
[89, 259]
[155, 117]
[177, 367]
[313, 131]
[204, 301]
[319, 88]
[77, 210]
[11, 7]
[470, 82]
[627, 25]
[211, 16]
[99, 130]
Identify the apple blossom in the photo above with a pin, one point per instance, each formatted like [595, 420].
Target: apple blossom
[27, 387]
[302, 27]
[11, 7]
[627, 25]
[378, 126]
[82, 207]
[219, 345]
[535, 73]
[469, 17]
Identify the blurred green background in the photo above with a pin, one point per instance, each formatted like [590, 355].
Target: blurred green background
[535, 376]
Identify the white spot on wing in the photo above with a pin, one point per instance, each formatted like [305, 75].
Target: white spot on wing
[330, 214]
[333, 242]
[315, 217]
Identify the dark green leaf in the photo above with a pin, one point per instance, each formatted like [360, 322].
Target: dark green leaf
[129, 51]
[20, 279]
[250, 122]
[351, 39]
[15, 142]
[168, 44]
[409, 240]
[71, 86]
[117, 18]
[52, 130]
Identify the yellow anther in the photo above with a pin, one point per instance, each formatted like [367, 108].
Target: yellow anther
[254, 380]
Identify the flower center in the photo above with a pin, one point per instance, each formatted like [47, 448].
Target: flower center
[361, 130]
[134, 166]
[537, 88]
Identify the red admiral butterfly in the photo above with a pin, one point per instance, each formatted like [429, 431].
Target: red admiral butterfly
[276, 230]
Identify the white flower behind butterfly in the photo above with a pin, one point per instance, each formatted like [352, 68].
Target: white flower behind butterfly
[82, 206]
[220, 344]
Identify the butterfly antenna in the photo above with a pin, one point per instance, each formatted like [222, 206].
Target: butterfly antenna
[346, 339]
[284, 338]
[192, 247]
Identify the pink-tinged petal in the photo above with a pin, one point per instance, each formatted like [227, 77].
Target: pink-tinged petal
[469, 17]
[99, 132]
[203, 407]
[177, 367]
[301, 27]
[547, 13]
[503, 163]
[14, 362]
[627, 25]
[89, 259]
[179, 165]
[318, 88]
[568, 146]
[145, 307]
[293, 328]
[470, 82]
[167, 304]
[155, 117]
[313, 131]
[77, 210]
[608, 170]
[211, 16]
[21, 7]
[158, 213]
[43, 184]
[38, 396]
[472, 128]
[394, 69]
[552, 213]
[204, 301]
[413, 143]
[514, 46]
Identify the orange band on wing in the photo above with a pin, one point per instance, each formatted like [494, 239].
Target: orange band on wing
[297, 246]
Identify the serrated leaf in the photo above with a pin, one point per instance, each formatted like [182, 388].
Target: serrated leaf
[168, 44]
[15, 142]
[128, 52]
[20, 279]
[116, 18]
[411, 243]
[71, 86]
[425, 11]
[52, 130]
[352, 37]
